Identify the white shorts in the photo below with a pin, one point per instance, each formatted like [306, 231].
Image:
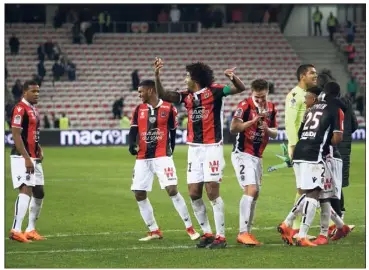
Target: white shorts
[248, 168]
[145, 169]
[333, 179]
[19, 175]
[309, 175]
[205, 163]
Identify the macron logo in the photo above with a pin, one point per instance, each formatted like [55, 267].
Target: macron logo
[19, 109]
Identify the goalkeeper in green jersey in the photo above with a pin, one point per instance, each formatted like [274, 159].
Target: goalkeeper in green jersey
[294, 113]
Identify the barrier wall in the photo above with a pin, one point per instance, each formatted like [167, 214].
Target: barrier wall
[120, 137]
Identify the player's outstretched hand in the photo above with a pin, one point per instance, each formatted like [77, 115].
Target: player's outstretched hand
[30, 168]
[158, 64]
[132, 150]
[229, 73]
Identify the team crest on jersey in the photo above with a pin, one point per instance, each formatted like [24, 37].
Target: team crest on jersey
[152, 119]
[17, 119]
[206, 95]
[293, 102]
[238, 112]
[163, 114]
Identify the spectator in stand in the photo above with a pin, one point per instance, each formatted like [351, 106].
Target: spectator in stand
[41, 71]
[58, 71]
[71, 69]
[175, 16]
[64, 122]
[117, 108]
[135, 79]
[317, 18]
[163, 19]
[332, 24]
[266, 16]
[56, 51]
[49, 49]
[237, 15]
[14, 45]
[46, 122]
[350, 32]
[41, 52]
[55, 120]
[125, 123]
[218, 17]
[17, 91]
[352, 88]
[351, 53]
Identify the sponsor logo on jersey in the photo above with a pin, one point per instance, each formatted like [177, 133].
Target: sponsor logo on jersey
[200, 113]
[152, 135]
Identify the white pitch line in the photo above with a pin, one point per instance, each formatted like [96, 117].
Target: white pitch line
[75, 250]
[164, 231]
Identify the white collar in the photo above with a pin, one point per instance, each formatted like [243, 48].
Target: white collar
[26, 102]
[157, 106]
[195, 94]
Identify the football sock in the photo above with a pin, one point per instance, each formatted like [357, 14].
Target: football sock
[245, 209]
[218, 209]
[308, 214]
[147, 214]
[21, 205]
[336, 219]
[181, 207]
[336, 205]
[252, 215]
[342, 201]
[297, 209]
[296, 223]
[199, 210]
[34, 212]
[325, 215]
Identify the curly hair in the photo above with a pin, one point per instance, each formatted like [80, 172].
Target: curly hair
[259, 85]
[201, 73]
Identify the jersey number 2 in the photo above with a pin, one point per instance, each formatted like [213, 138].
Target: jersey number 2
[312, 121]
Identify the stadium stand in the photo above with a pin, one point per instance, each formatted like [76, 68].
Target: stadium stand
[358, 67]
[104, 68]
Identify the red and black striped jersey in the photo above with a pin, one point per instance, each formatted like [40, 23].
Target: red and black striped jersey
[26, 117]
[320, 122]
[205, 114]
[154, 125]
[254, 139]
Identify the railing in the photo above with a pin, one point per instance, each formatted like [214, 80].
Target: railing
[148, 27]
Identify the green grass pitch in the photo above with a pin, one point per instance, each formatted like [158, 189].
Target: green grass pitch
[91, 218]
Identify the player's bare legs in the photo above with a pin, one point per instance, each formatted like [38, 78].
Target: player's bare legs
[181, 207]
[212, 190]
[247, 212]
[35, 206]
[147, 214]
[21, 206]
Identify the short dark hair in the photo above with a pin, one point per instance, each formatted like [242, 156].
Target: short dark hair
[301, 70]
[27, 84]
[322, 80]
[316, 90]
[147, 83]
[259, 85]
[201, 73]
[332, 89]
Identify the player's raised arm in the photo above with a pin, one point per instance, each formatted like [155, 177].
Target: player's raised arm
[238, 86]
[169, 96]
[18, 115]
